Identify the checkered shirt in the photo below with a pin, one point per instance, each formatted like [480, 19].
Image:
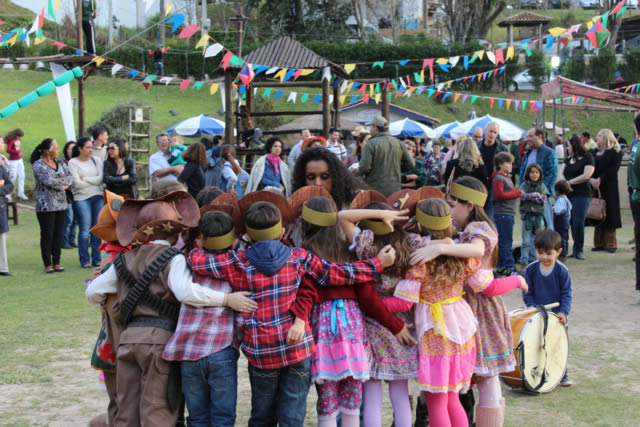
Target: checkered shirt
[265, 333]
[202, 331]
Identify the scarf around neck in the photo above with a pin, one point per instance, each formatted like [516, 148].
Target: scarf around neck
[275, 162]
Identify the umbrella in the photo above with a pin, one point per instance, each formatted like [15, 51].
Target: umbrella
[443, 130]
[195, 127]
[508, 130]
[407, 127]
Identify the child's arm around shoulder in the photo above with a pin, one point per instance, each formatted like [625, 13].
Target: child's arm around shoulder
[221, 266]
[348, 218]
[473, 249]
[106, 283]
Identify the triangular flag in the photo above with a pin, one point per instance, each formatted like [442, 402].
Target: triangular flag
[605, 19]
[115, 69]
[618, 6]
[466, 62]
[267, 93]
[197, 86]
[52, 14]
[491, 100]
[202, 43]
[176, 20]
[377, 90]
[184, 84]
[549, 43]
[214, 88]
[317, 99]
[213, 50]
[430, 93]
[188, 31]
[454, 60]
[169, 6]
[445, 67]
[602, 37]
[499, 57]
[524, 106]
[39, 40]
[292, 97]
[354, 98]
[622, 11]
[133, 73]
[349, 68]
[342, 99]
[98, 60]
[236, 60]
[378, 98]
[474, 98]
[326, 73]
[442, 61]
[510, 52]
[464, 98]
[480, 54]
[378, 64]
[500, 100]
[365, 99]
[428, 63]
[56, 44]
[491, 56]
[403, 62]
[508, 103]
[225, 59]
[278, 94]
[166, 80]
[517, 104]
[456, 97]
[556, 31]
[280, 74]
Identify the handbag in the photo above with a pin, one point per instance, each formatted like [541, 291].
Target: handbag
[597, 212]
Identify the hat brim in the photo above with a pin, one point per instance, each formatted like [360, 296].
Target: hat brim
[156, 230]
[106, 232]
[266, 196]
[367, 197]
[427, 192]
[304, 194]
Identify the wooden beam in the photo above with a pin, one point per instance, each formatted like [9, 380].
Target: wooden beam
[326, 113]
[335, 116]
[385, 102]
[228, 108]
[285, 113]
[276, 83]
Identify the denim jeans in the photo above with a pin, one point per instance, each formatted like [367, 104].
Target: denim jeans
[579, 208]
[504, 225]
[86, 212]
[70, 226]
[279, 396]
[488, 206]
[561, 225]
[527, 250]
[548, 213]
[210, 388]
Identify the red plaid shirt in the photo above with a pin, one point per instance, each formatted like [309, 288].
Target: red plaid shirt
[202, 331]
[266, 329]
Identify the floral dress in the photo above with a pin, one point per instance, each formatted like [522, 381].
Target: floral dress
[494, 344]
[388, 359]
[446, 327]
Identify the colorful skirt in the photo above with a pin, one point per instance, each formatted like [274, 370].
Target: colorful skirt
[338, 330]
[494, 344]
[388, 359]
[444, 365]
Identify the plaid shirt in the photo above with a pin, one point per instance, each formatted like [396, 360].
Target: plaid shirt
[266, 329]
[202, 331]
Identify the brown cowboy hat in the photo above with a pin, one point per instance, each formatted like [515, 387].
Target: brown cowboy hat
[226, 202]
[305, 194]
[105, 229]
[400, 197]
[427, 192]
[312, 139]
[266, 196]
[367, 197]
[142, 221]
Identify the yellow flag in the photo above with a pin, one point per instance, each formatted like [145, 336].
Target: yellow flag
[349, 86]
[169, 7]
[214, 88]
[480, 53]
[281, 74]
[378, 98]
[449, 83]
[556, 31]
[13, 39]
[57, 5]
[342, 98]
[371, 90]
[422, 76]
[443, 61]
[306, 72]
[510, 52]
[98, 60]
[349, 68]
[37, 41]
[203, 42]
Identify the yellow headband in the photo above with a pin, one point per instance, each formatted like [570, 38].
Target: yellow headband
[379, 228]
[468, 194]
[271, 233]
[433, 222]
[321, 219]
[219, 242]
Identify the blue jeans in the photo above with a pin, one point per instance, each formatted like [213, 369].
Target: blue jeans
[86, 212]
[527, 250]
[279, 396]
[504, 225]
[488, 206]
[561, 225]
[548, 213]
[210, 389]
[158, 68]
[579, 208]
[70, 225]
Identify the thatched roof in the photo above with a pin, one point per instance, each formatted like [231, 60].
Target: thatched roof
[524, 19]
[314, 123]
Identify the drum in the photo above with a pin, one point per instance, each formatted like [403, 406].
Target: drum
[541, 357]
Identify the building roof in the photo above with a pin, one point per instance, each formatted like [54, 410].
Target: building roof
[414, 115]
[563, 87]
[524, 19]
[285, 52]
[314, 123]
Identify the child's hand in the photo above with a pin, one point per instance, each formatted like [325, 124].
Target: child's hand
[405, 337]
[523, 284]
[296, 332]
[425, 254]
[238, 301]
[389, 216]
[387, 256]
[563, 319]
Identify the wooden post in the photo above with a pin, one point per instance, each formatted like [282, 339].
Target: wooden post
[335, 119]
[326, 117]
[385, 101]
[80, 80]
[250, 104]
[228, 108]
[239, 19]
[162, 25]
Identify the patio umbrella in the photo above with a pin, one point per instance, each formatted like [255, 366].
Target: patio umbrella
[407, 127]
[508, 130]
[443, 130]
[195, 127]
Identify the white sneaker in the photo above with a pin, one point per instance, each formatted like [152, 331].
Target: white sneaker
[23, 197]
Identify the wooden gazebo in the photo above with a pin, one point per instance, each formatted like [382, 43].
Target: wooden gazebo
[524, 19]
[285, 52]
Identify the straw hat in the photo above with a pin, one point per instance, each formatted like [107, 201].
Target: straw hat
[359, 130]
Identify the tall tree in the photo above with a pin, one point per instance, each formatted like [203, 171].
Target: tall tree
[471, 18]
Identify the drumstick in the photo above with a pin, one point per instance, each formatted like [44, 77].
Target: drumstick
[524, 312]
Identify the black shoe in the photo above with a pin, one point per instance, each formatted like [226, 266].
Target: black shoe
[597, 249]
[73, 245]
[5, 273]
[67, 246]
[96, 264]
[611, 250]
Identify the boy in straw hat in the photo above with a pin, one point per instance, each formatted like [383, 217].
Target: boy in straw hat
[271, 271]
[149, 281]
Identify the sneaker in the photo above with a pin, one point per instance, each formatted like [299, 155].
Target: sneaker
[67, 246]
[73, 245]
[566, 381]
[580, 256]
[23, 197]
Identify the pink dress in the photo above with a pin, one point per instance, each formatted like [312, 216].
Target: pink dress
[494, 344]
[446, 327]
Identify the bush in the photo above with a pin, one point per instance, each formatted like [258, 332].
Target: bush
[631, 66]
[603, 67]
[539, 67]
[116, 120]
[572, 64]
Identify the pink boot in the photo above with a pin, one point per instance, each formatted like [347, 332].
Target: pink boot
[489, 417]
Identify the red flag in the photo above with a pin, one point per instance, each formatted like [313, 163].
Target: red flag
[499, 57]
[491, 100]
[429, 63]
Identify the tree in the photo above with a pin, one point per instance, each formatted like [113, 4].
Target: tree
[467, 18]
[539, 67]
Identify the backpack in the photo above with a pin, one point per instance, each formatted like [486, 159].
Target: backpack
[213, 174]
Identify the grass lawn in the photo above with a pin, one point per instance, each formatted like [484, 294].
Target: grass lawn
[47, 330]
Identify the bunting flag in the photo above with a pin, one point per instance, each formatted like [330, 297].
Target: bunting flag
[474, 98]
[115, 69]
[226, 59]
[189, 31]
[56, 44]
[349, 68]
[403, 62]
[213, 50]
[278, 94]
[202, 43]
[292, 97]
[317, 99]
[166, 80]
[499, 103]
[491, 57]
[197, 86]
[378, 64]
[428, 63]
[304, 97]
[267, 93]
[464, 98]
[246, 75]
[52, 14]
[510, 52]
[169, 6]
[177, 20]
[98, 60]
[133, 73]
[499, 57]
[214, 88]
[465, 60]
[184, 84]
[454, 60]
[508, 103]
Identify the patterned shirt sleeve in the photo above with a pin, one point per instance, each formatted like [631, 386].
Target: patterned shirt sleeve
[484, 232]
[409, 288]
[335, 274]
[221, 267]
[477, 278]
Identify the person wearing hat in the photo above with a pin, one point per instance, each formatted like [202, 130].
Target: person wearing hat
[384, 158]
[362, 136]
[296, 150]
[150, 281]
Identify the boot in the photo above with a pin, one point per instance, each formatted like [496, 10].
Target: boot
[489, 417]
[99, 421]
[502, 410]
[422, 414]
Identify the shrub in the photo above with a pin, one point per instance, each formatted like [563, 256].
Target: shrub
[603, 66]
[631, 66]
[539, 67]
[572, 64]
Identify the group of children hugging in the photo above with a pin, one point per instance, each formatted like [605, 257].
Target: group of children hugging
[533, 194]
[389, 290]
